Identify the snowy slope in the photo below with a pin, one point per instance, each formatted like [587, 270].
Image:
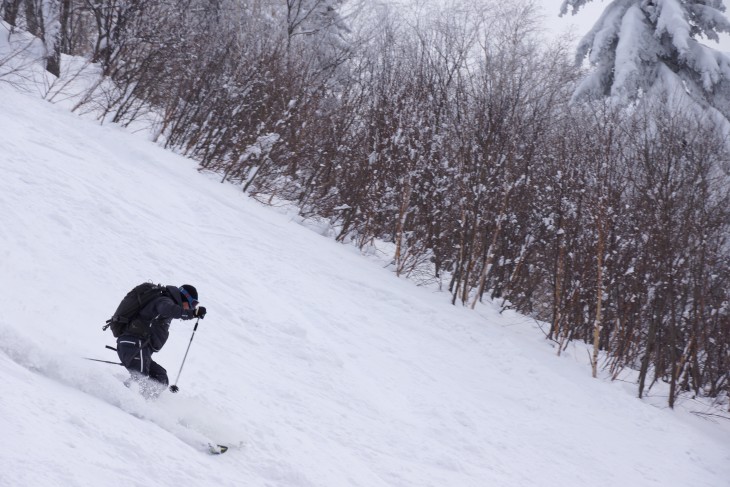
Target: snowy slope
[331, 371]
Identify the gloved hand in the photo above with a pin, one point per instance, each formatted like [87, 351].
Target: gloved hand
[200, 312]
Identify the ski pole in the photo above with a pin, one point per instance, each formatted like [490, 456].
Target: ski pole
[174, 388]
[103, 361]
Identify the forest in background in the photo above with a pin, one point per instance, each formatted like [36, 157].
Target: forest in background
[455, 135]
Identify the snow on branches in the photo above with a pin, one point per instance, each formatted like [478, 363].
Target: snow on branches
[637, 46]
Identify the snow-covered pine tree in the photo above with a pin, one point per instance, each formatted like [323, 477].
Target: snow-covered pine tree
[637, 46]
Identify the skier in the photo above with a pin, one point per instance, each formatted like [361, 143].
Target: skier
[148, 332]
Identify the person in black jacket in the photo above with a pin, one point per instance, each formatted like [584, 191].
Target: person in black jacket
[148, 332]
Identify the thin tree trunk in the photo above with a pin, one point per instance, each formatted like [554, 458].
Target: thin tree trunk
[599, 292]
[33, 18]
[399, 231]
[61, 43]
[490, 251]
[10, 11]
[558, 290]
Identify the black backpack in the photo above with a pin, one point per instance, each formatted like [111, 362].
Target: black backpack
[131, 305]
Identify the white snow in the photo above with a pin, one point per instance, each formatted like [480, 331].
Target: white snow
[329, 369]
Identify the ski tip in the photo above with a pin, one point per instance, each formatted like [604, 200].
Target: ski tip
[217, 449]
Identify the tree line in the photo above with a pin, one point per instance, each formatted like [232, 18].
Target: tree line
[452, 136]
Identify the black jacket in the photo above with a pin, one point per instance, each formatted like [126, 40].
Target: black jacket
[160, 312]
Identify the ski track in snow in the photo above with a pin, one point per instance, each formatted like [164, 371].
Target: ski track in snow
[331, 371]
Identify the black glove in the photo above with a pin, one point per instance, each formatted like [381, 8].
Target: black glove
[200, 312]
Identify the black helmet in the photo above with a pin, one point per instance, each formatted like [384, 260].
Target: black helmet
[190, 293]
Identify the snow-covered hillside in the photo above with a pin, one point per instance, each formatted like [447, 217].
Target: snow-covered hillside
[316, 363]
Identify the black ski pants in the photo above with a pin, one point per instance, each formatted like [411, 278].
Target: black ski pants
[136, 356]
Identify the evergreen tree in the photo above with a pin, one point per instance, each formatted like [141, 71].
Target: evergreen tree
[637, 46]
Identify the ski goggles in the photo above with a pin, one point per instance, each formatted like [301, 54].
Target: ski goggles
[191, 301]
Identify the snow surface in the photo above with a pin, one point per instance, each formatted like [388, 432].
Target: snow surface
[315, 363]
